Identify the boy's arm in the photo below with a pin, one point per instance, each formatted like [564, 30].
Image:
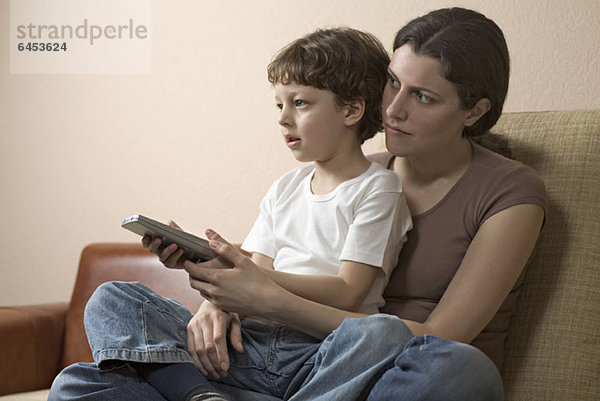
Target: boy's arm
[346, 291]
[262, 260]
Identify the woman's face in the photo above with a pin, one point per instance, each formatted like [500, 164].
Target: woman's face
[421, 108]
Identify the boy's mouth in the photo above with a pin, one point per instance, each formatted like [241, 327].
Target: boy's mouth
[291, 141]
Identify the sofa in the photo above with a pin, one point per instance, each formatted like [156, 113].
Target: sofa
[553, 344]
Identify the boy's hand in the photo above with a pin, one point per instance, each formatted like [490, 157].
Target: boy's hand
[207, 339]
[170, 256]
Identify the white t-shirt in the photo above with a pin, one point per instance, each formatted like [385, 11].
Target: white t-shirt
[364, 219]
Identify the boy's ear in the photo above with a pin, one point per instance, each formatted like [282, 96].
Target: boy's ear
[354, 109]
[482, 106]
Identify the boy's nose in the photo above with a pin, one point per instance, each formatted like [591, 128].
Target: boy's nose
[284, 117]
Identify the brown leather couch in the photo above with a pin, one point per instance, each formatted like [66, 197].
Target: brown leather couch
[553, 344]
[40, 340]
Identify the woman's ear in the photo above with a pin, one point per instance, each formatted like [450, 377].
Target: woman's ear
[354, 111]
[482, 106]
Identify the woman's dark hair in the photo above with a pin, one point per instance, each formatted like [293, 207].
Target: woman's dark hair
[474, 57]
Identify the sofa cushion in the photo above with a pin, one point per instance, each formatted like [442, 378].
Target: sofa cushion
[32, 345]
[553, 346]
[41, 395]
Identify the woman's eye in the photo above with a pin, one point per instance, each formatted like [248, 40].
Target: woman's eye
[423, 98]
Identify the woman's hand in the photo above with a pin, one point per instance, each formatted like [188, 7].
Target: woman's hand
[171, 256]
[232, 281]
[207, 339]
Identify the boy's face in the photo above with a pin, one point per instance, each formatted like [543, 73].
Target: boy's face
[312, 123]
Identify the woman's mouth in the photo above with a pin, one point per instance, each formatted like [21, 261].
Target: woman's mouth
[390, 130]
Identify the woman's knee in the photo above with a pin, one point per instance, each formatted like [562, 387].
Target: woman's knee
[375, 329]
[432, 369]
[471, 369]
[384, 336]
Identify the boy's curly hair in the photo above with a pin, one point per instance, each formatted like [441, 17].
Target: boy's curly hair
[350, 63]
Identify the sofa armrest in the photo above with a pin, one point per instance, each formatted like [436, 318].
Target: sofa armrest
[32, 345]
[102, 262]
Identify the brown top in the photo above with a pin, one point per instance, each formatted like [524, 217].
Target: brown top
[440, 237]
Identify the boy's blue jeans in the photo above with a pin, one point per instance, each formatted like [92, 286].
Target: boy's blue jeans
[375, 356]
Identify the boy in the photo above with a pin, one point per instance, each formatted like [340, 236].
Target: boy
[331, 221]
[330, 231]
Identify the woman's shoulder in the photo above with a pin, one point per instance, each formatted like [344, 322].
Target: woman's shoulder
[491, 165]
[503, 181]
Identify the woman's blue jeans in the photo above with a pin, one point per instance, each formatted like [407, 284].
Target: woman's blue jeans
[375, 358]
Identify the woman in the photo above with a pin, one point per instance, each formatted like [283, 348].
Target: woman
[476, 219]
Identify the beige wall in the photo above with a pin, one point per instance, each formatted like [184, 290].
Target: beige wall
[196, 140]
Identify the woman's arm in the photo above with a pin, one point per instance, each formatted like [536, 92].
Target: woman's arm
[491, 266]
[234, 283]
[489, 270]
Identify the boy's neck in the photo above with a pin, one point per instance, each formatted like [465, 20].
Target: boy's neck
[343, 167]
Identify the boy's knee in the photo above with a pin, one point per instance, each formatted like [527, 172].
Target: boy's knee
[116, 292]
[64, 383]
[120, 289]
[109, 298]
[100, 298]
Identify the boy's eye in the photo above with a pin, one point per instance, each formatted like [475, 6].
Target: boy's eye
[394, 81]
[300, 103]
[279, 106]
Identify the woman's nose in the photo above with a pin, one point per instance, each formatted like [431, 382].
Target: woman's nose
[396, 107]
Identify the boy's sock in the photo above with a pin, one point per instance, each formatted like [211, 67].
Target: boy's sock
[178, 381]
